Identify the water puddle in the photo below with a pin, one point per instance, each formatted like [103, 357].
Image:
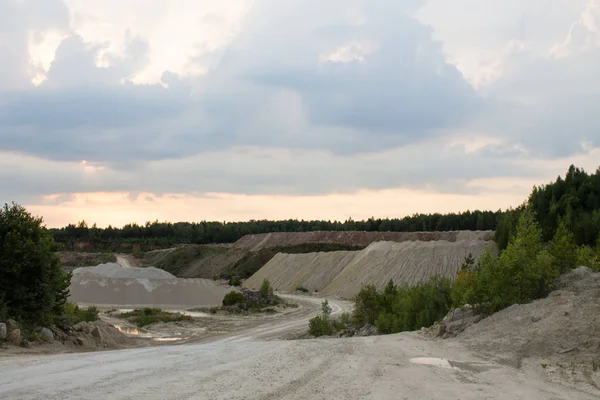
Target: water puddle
[448, 364]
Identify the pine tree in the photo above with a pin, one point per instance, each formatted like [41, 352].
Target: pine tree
[33, 285]
[563, 248]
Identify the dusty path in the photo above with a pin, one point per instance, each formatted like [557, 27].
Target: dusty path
[251, 365]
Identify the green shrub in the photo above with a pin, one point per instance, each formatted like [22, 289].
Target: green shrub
[397, 309]
[235, 281]
[301, 289]
[265, 289]
[137, 253]
[234, 297]
[148, 316]
[320, 326]
[587, 257]
[522, 273]
[76, 314]
[563, 248]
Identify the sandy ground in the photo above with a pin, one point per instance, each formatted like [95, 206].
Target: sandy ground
[255, 364]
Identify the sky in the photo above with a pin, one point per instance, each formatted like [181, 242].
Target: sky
[187, 110]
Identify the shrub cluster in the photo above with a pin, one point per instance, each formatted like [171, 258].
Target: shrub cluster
[76, 314]
[523, 272]
[147, 316]
[397, 309]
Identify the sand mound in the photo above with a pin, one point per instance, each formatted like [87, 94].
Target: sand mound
[279, 239]
[111, 284]
[344, 273]
[312, 271]
[563, 326]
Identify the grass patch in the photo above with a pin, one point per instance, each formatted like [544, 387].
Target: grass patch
[77, 315]
[148, 316]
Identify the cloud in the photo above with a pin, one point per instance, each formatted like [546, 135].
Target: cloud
[297, 97]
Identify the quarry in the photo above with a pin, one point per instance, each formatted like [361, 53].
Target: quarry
[196, 348]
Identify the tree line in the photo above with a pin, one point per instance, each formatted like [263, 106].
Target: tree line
[166, 233]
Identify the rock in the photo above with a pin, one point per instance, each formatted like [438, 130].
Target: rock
[79, 342]
[457, 321]
[440, 329]
[25, 343]
[14, 336]
[535, 318]
[96, 333]
[58, 334]
[84, 327]
[47, 335]
[11, 324]
[3, 331]
[367, 330]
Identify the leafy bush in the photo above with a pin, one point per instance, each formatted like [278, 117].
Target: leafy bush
[301, 289]
[563, 249]
[397, 309]
[76, 314]
[320, 326]
[33, 284]
[522, 273]
[587, 257]
[234, 297]
[148, 316]
[265, 289]
[235, 281]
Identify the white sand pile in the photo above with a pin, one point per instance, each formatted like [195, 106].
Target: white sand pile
[111, 284]
[278, 239]
[344, 273]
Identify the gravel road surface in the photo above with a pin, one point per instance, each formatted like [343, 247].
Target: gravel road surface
[255, 365]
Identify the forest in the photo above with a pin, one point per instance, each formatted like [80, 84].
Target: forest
[574, 198]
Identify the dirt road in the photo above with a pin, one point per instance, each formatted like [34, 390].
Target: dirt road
[254, 365]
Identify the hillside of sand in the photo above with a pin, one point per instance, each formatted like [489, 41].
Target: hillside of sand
[343, 274]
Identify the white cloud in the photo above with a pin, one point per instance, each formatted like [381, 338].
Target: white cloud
[295, 97]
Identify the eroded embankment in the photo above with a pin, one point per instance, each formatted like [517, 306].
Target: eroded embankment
[343, 274]
[362, 239]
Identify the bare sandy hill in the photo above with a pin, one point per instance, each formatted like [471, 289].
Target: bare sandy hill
[111, 284]
[280, 239]
[343, 274]
[313, 271]
[565, 326]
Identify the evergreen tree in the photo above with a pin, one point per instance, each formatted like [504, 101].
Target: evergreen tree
[563, 248]
[33, 284]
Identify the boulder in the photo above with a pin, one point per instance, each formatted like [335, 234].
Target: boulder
[14, 336]
[456, 321]
[79, 341]
[47, 335]
[3, 331]
[11, 324]
[96, 333]
[84, 327]
[58, 334]
[439, 329]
